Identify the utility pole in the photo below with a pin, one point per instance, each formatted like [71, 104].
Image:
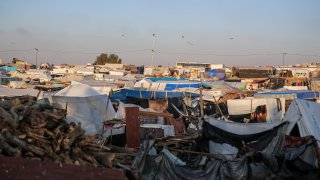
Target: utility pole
[152, 50]
[283, 54]
[37, 51]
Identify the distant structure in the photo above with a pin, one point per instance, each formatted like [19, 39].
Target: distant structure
[199, 65]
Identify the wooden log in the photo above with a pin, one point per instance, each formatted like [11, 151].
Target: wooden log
[17, 142]
[14, 152]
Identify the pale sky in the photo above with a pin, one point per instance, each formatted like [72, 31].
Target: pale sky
[232, 32]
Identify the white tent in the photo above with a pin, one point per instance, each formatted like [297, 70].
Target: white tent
[86, 105]
[306, 115]
[275, 107]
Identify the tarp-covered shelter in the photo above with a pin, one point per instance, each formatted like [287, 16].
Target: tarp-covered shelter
[306, 116]
[86, 105]
[264, 137]
[275, 107]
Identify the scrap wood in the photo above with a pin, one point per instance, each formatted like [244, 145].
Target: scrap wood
[146, 113]
[43, 133]
[17, 142]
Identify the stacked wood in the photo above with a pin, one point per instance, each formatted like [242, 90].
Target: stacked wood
[39, 131]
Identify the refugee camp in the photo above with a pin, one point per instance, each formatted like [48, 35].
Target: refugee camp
[127, 90]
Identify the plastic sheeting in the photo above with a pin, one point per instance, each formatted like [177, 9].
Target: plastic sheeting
[289, 94]
[306, 115]
[163, 168]
[275, 107]
[142, 94]
[242, 128]
[263, 137]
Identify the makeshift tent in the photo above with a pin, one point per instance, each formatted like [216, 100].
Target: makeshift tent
[275, 107]
[306, 115]
[85, 105]
[264, 137]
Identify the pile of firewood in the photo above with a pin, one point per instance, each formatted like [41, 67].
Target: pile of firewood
[39, 131]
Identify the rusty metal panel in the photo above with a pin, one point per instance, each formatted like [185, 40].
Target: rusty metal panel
[132, 127]
[25, 169]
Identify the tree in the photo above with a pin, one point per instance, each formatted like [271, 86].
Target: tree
[103, 58]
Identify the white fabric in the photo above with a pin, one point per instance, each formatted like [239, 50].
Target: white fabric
[144, 83]
[247, 106]
[295, 88]
[84, 104]
[17, 84]
[103, 89]
[306, 115]
[242, 128]
[227, 150]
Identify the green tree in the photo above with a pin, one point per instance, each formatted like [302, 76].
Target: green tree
[103, 58]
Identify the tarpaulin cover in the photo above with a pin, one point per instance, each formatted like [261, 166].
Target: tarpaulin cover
[266, 137]
[163, 168]
[154, 79]
[142, 94]
[275, 107]
[306, 115]
[298, 94]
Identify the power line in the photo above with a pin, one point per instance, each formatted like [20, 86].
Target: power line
[213, 54]
[159, 52]
[21, 50]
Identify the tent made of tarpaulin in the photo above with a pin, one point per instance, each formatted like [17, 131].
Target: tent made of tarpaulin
[265, 137]
[275, 107]
[85, 105]
[306, 115]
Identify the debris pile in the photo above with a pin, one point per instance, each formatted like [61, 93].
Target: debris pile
[33, 130]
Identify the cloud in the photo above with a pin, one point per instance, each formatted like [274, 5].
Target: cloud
[22, 31]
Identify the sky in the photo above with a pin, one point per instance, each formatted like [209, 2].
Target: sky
[161, 32]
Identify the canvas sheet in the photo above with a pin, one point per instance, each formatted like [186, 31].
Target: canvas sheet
[275, 107]
[306, 115]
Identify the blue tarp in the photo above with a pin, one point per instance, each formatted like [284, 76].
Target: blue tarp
[8, 68]
[173, 86]
[300, 94]
[219, 74]
[144, 94]
[154, 79]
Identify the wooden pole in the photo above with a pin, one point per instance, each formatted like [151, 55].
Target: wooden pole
[201, 103]
[132, 127]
